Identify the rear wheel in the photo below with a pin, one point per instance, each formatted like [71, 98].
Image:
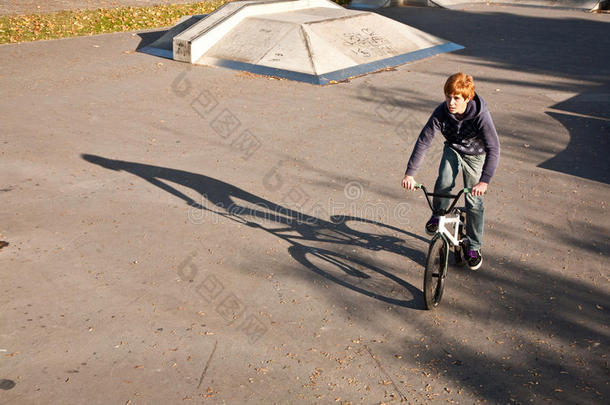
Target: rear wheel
[434, 275]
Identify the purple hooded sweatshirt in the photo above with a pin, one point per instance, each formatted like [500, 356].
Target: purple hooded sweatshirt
[474, 134]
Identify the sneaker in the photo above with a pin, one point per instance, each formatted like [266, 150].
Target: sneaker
[474, 259]
[432, 225]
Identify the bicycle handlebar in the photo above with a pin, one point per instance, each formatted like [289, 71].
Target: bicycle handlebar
[466, 190]
[455, 197]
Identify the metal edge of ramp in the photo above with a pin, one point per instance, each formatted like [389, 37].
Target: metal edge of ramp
[369, 4]
[337, 75]
[162, 53]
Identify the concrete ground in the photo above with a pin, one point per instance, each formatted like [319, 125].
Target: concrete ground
[183, 234]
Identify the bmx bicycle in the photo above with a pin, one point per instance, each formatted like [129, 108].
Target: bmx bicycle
[450, 234]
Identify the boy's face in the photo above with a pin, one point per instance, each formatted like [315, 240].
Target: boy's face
[456, 104]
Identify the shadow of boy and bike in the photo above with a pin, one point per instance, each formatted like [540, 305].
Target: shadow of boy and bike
[298, 229]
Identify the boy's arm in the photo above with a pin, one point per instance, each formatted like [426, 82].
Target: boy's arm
[421, 146]
[492, 148]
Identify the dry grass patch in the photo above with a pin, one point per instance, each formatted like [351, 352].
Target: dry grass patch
[64, 24]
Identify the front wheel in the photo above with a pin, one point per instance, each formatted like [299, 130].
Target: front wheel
[434, 275]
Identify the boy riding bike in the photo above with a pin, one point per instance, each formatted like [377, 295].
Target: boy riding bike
[471, 144]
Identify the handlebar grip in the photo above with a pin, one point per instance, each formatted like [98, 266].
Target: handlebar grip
[418, 185]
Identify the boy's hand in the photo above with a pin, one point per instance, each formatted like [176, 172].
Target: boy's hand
[409, 183]
[479, 189]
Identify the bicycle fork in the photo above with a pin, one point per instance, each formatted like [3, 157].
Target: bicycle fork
[445, 257]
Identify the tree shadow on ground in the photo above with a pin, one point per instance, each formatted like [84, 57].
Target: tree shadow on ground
[545, 44]
[531, 333]
[587, 118]
[542, 329]
[296, 228]
[561, 46]
[549, 343]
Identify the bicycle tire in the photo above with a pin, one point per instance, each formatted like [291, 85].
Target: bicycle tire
[458, 255]
[459, 252]
[434, 274]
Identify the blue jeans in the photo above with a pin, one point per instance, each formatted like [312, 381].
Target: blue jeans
[472, 166]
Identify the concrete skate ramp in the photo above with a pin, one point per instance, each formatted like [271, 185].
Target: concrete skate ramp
[569, 4]
[315, 41]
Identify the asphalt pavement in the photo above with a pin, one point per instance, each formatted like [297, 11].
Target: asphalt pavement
[188, 234]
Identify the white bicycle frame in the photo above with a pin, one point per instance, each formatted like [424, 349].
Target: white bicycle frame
[455, 222]
[447, 219]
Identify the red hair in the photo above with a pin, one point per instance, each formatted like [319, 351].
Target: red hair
[460, 83]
